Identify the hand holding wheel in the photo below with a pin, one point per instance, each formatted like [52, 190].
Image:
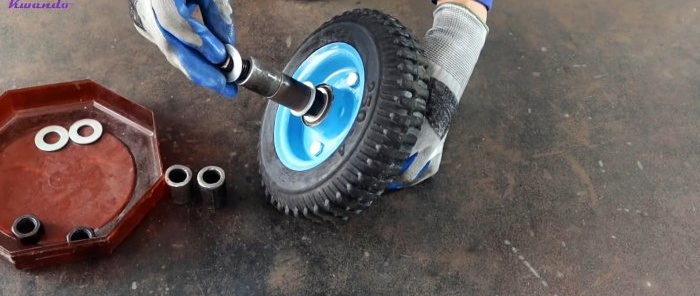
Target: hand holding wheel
[452, 48]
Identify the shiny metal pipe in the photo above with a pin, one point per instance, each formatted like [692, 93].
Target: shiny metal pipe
[212, 186]
[179, 180]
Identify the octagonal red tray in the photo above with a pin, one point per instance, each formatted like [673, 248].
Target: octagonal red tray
[108, 186]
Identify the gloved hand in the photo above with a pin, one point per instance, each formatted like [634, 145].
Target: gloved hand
[452, 47]
[193, 47]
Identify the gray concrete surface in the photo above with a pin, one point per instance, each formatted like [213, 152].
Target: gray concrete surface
[572, 167]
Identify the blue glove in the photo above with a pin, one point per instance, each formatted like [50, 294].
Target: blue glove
[193, 47]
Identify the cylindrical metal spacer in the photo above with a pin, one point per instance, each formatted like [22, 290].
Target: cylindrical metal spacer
[212, 186]
[179, 180]
[277, 86]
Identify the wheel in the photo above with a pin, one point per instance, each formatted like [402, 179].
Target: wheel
[339, 167]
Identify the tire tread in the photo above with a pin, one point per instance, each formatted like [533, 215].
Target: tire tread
[387, 142]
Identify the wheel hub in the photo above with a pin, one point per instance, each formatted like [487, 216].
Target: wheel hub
[321, 105]
[304, 143]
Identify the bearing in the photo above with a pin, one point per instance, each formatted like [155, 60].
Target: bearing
[28, 229]
[80, 234]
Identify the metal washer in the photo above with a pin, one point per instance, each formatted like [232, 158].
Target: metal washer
[40, 142]
[78, 139]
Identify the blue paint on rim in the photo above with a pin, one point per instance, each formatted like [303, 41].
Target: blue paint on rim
[300, 147]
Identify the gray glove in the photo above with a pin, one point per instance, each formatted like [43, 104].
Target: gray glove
[452, 47]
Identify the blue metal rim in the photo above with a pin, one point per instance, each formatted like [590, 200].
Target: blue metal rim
[300, 147]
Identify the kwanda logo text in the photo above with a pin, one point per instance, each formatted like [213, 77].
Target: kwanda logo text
[58, 4]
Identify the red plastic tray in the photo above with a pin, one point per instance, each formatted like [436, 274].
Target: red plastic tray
[108, 186]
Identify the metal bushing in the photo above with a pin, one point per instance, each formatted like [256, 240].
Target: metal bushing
[212, 186]
[28, 229]
[179, 180]
[80, 234]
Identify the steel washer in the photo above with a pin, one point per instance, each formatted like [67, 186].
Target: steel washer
[78, 139]
[40, 142]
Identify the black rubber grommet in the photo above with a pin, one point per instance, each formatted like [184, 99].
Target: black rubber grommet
[28, 229]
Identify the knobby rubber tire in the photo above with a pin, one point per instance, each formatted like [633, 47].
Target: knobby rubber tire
[382, 136]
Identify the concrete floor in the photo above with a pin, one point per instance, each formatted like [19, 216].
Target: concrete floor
[572, 167]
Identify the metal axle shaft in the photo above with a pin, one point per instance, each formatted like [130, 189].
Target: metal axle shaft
[304, 99]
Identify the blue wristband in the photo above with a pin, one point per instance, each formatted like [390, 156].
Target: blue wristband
[486, 3]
